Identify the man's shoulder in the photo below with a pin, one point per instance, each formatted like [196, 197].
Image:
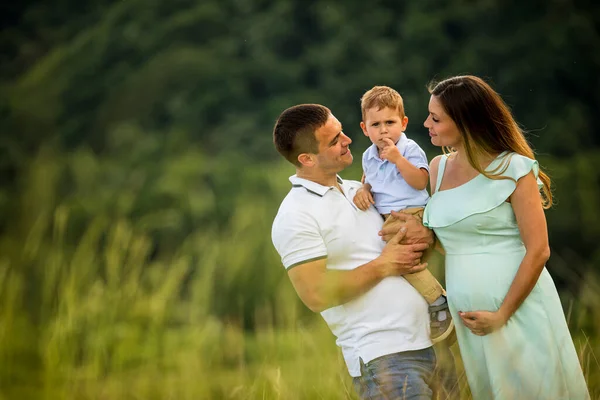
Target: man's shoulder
[297, 213]
[298, 201]
[301, 202]
[295, 195]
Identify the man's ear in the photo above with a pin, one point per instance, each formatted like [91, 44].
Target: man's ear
[364, 128]
[404, 123]
[306, 159]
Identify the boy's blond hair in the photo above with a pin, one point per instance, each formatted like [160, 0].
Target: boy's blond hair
[381, 97]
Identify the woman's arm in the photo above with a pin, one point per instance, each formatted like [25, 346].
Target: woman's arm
[527, 206]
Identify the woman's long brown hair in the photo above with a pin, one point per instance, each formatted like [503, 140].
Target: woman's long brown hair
[486, 125]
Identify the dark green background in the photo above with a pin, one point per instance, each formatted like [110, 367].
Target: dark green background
[159, 113]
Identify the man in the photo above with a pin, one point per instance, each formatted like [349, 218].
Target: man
[341, 268]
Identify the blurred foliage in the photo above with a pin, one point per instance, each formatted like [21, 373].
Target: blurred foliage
[139, 180]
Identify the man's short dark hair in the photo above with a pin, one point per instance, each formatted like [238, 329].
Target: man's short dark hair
[294, 131]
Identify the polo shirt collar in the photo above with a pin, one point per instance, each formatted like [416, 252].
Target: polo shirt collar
[372, 151]
[311, 186]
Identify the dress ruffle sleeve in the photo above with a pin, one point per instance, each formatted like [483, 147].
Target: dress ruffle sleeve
[480, 194]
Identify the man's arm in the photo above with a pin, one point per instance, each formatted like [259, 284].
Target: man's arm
[320, 288]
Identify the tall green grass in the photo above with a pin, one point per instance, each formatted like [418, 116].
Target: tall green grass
[90, 309]
[105, 322]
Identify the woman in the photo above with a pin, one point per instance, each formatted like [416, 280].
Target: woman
[487, 211]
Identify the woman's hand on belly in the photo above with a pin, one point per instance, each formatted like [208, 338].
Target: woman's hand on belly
[481, 323]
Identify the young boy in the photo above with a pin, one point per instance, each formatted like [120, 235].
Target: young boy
[396, 173]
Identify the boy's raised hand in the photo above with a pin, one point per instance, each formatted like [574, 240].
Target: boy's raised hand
[363, 198]
[390, 152]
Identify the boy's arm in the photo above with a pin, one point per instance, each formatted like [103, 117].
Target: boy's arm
[414, 176]
[365, 185]
[363, 197]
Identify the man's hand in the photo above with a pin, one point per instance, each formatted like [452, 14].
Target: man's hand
[363, 198]
[415, 231]
[390, 152]
[400, 259]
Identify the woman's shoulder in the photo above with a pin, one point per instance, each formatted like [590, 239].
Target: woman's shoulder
[434, 165]
[515, 165]
[435, 162]
[481, 194]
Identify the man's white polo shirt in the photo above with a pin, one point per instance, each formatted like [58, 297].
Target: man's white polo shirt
[316, 221]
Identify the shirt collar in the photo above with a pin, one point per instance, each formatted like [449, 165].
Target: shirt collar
[372, 151]
[402, 143]
[311, 186]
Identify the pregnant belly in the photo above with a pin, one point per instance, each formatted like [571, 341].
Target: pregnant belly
[480, 281]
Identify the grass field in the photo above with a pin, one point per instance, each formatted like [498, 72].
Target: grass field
[89, 312]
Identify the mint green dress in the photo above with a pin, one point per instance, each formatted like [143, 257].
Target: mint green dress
[532, 356]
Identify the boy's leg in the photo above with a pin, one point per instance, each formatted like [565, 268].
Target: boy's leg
[426, 284]
[430, 288]
[424, 281]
